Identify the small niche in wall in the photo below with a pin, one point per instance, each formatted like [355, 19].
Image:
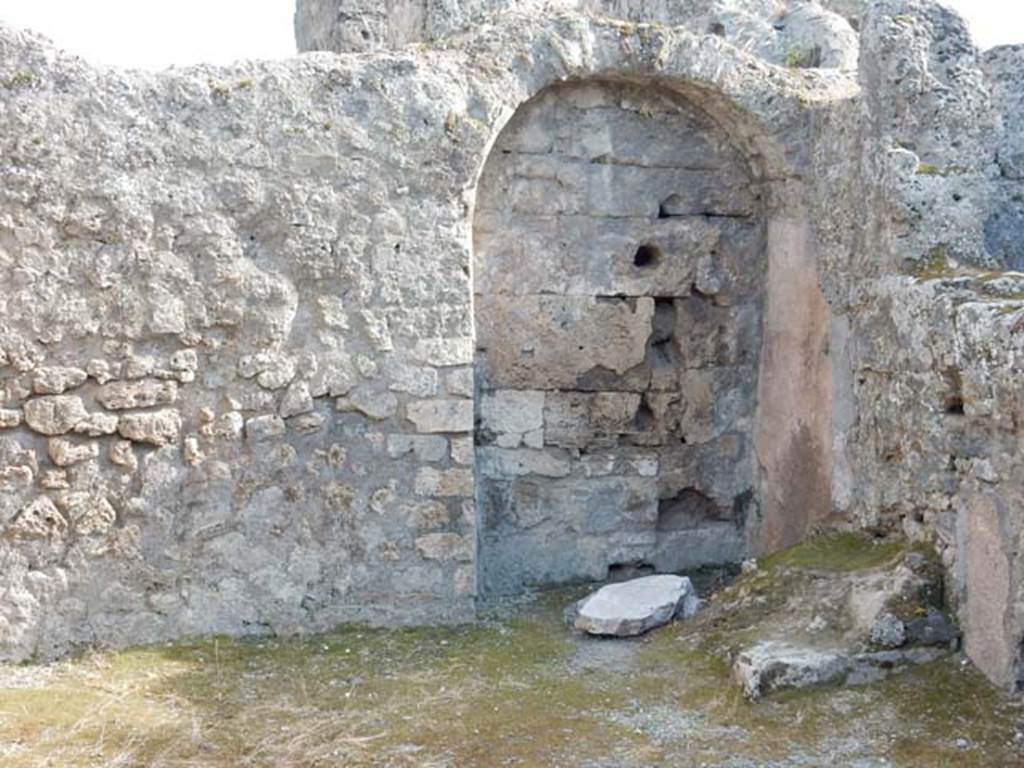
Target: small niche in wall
[954, 405]
[647, 256]
[953, 400]
[631, 570]
[673, 206]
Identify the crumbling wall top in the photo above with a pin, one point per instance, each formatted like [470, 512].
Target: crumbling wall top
[794, 33]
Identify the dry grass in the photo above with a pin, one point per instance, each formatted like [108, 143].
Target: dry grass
[519, 692]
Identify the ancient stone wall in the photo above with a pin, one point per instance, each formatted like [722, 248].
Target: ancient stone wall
[236, 351]
[929, 326]
[237, 323]
[286, 345]
[619, 275]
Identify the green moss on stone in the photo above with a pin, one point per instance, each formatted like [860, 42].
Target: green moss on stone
[839, 552]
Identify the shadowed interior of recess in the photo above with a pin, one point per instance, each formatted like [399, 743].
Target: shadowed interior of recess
[619, 263]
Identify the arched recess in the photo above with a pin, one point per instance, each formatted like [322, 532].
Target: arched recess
[620, 273]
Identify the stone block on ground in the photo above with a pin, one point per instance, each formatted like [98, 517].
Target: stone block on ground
[634, 607]
[773, 666]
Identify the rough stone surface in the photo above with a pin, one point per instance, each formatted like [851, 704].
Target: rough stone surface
[888, 631]
[598, 284]
[774, 666]
[637, 606]
[56, 415]
[794, 33]
[125, 395]
[618, 244]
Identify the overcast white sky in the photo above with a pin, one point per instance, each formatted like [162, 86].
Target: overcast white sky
[158, 33]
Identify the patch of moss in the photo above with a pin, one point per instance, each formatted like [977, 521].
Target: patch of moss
[936, 265]
[19, 80]
[838, 552]
[795, 58]
[219, 90]
[950, 701]
[927, 169]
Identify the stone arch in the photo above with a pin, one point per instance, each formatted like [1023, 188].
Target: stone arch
[619, 293]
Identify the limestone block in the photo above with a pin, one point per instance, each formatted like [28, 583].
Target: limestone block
[100, 370]
[369, 402]
[57, 380]
[463, 450]
[459, 382]
[334, 378]
[142, 393]
[14, 479]
[91, 516]
[773, 666]
[423, 447]
[296, 401]
[888, 631]
[415, 380]
[596, 506]
[184, 360]
[122, 454]
[271, 371]
[510, 414]
[39, 519]
[65, 452]
[333, 313]
[450, 482]
[9, 418]
[227, 426]
[138, 366]
[425, 515]
[55, 480]
[544, 342]
[441, 415]
[97, 424]
[595, 257]
[580, 419]
[503, 462]
[192, 453]
[376, 327]
[263, 428]
[308, 423]
[465, 581]
[637, 606]
[55, 414]
[610, 190]
[445, 352]
[156, 428]
[445, 546]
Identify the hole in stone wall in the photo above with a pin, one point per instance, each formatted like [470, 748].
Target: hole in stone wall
[647, 255]
[627, 571]
[644, 419]
[717, 28]
[953, 401]
[687, 509]
[663, 329]
[955, 405]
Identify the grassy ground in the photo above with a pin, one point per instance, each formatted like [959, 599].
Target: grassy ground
[517, 691]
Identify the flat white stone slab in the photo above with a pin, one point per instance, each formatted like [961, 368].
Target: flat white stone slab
[636, 606]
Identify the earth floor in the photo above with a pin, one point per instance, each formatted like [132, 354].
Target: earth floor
[517, 689]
